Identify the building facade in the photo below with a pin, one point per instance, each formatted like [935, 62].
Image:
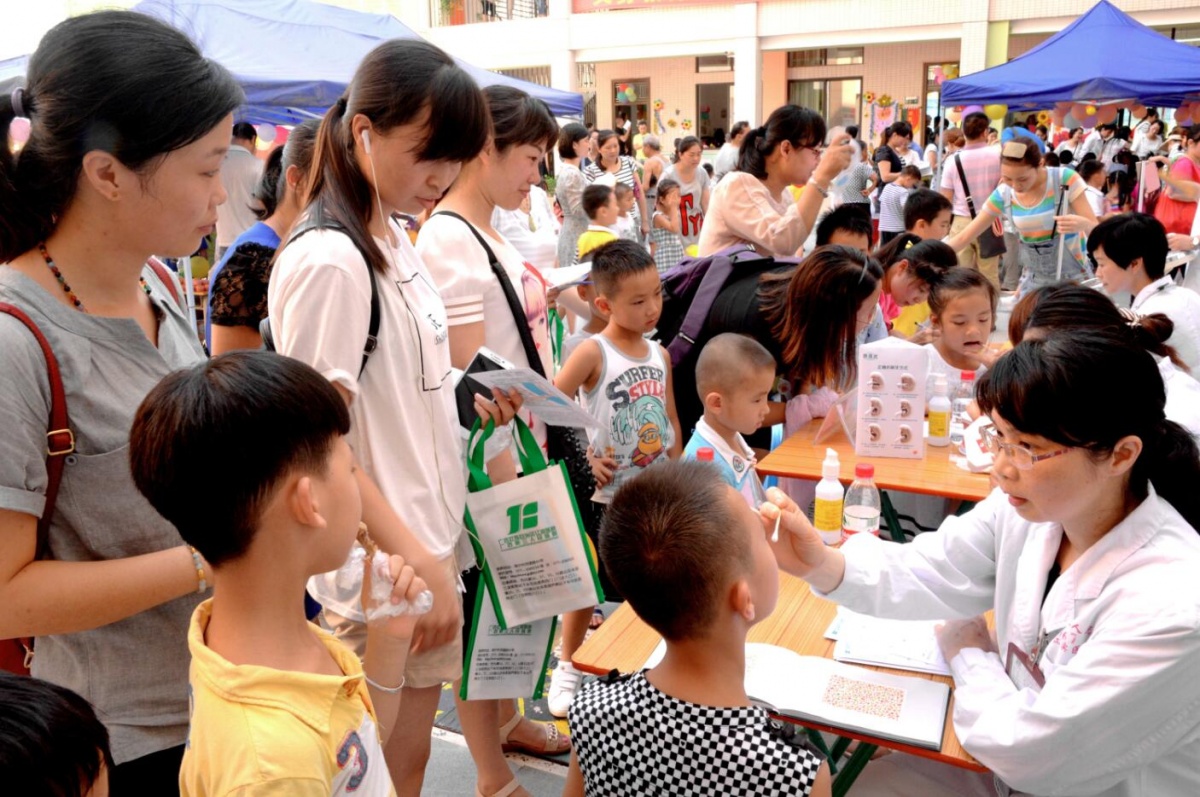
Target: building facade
[693, 67]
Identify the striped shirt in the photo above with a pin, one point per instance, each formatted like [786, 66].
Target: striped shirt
[891, 207]
[1035, 224]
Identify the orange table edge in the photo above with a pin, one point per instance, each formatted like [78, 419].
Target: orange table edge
[624, 642]
[799, 457]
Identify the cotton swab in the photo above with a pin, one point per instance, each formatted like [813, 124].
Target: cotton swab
[775, 533]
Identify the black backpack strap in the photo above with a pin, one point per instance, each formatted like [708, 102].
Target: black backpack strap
[719, 270]
[510, 294]
[372, 342]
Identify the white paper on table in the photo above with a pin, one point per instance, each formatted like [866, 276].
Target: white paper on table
[542, 398]
[899, 644]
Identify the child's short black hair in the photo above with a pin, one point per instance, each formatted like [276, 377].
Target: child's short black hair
[50, 740]
[670, 542]
[1089, 169]
[924, 205]
[851, 217]
[910, 171]
[1128, 236]
[614, 261]
[594, 198]
[1065, 157]
[244, 420]
[726, 361]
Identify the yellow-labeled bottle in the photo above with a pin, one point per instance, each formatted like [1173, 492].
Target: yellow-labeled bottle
[827, 509]
[939, 413]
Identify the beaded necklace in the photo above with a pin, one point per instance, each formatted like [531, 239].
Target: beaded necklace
[75, 301]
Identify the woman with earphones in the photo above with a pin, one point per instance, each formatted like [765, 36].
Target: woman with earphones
[394, 142]
[495, 299]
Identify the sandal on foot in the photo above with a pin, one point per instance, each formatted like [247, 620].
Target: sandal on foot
[512, 786]
[554, 743]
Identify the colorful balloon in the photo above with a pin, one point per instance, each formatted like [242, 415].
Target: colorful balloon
[970, 109]
[1107, 114]
[266, 132]
[995, 112]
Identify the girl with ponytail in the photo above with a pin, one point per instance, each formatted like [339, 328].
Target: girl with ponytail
[129, 124]
[1088, 554]
[752, 206]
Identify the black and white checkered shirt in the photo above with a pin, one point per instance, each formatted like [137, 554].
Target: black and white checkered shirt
[635, 741]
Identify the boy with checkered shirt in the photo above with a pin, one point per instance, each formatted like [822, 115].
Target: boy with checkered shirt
[692, 559]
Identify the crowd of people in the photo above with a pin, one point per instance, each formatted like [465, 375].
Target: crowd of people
[161, 544]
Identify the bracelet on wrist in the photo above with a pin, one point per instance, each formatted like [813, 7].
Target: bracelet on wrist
[198, 562]
[391, 690]
[823, 190]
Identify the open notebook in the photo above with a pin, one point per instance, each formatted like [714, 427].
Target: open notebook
[899, 708]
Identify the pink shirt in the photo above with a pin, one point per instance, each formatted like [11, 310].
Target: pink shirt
[889, 306]
[742, 210]
[982, 166]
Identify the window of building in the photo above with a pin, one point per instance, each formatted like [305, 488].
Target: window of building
[826, 56]
[533, 74]
[631, 97]
[714, 63]
[934, 75]
[838, 100]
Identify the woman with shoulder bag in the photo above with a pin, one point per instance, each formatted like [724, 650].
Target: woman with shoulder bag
[609, 160]
[129, 125]
[1176, 207]
[495, 299]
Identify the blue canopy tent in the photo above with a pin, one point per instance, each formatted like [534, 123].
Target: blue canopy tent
[1078, 64]
[293, 58]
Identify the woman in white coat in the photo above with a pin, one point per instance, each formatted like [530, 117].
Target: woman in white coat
[1089, 556]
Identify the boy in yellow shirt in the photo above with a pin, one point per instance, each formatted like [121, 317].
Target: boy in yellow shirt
[600, 204]
[278, 705]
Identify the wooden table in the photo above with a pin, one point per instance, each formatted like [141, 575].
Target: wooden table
[798, 623]
[798, 457]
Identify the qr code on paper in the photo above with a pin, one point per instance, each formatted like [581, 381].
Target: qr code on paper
[873, 699]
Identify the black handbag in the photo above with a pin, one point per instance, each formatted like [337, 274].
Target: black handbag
[990, 244]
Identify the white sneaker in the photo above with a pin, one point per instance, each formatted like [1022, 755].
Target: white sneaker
[563, 683]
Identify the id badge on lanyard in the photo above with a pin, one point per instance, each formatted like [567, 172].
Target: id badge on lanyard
[1023, 668]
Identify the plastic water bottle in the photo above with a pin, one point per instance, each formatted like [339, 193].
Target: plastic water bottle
[939, 413]
[960, 416]
[863, 504]
[827, 509]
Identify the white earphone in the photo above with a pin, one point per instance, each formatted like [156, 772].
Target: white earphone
[366, 141]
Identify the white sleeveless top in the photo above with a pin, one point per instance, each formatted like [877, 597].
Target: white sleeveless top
[630, 403]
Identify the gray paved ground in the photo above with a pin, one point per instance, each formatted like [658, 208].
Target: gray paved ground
[452, 774]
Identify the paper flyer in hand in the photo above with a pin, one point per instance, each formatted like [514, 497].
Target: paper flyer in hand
[542, 398]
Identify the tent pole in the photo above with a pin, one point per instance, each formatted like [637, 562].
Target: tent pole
[937, 175]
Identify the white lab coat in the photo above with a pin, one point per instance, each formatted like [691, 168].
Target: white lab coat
[1119, 715]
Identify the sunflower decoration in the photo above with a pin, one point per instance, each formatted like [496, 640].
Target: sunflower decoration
[671, 123]
[1043, 118]
[658, 105]
[869, 97]
[686, 124]
[885, 99]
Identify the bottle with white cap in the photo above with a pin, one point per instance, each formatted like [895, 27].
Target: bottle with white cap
[827, 509]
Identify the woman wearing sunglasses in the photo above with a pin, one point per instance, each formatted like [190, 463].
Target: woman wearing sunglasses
[752, 205]
[1087, 553]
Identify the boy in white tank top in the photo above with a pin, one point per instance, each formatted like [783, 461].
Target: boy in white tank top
[627, 387]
